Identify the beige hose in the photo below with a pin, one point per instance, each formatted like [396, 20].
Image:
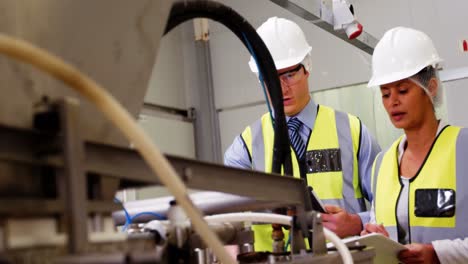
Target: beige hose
[51, 64]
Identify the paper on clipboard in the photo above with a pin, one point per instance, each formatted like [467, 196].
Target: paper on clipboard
[386, 250]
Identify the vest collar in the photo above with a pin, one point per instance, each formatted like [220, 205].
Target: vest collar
[402, 145]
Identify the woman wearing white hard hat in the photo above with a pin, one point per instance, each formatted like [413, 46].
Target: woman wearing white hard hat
[419, 183]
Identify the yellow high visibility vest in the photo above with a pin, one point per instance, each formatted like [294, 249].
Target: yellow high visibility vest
[335, 180]
[443, 170]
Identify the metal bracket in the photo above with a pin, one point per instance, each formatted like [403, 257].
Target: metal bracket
[365, 42]
[73, 177]
[319, 244]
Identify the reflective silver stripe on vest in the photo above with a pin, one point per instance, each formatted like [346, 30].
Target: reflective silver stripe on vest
[392, 232]
[375, 173]
[258, 147]
[341, 203]
[426, 235]
[345, 141]
[462, 183]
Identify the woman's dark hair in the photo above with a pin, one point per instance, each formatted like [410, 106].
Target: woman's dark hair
[425, 75]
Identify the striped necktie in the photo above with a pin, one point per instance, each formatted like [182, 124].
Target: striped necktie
[297, 143]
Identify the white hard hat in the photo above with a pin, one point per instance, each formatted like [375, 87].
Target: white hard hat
[401, 53]
[285, 41]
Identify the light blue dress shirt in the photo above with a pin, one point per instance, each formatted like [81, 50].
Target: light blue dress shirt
[237, 154]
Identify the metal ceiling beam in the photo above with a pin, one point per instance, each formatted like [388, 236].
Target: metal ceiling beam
[364, 42]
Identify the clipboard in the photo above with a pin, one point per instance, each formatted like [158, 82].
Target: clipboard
[386, 250]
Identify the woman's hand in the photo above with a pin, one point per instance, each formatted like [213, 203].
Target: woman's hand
[418, 253]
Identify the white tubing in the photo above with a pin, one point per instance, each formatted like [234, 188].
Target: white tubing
[53, 65]
[280, 219]
[250, 217]
[340, 246]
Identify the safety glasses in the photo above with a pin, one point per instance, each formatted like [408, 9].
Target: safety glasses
[292, 76]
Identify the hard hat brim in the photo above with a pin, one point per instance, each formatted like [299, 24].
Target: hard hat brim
[282, 64]
[397, 76]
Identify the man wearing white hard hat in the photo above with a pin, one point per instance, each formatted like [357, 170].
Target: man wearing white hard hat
[419, 183]
[333, 151]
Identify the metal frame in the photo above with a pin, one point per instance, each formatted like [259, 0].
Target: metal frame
[72, 178]
[16, 145]
[34, 148]
[207, 132]
[365, 42]
[73, 160]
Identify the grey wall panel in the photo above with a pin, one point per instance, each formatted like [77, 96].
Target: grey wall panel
[166, 86]
[234, 83]
[169, 86]
[443, 21]
[456, 95]
[170, 136]
[233, 122]
[451, 20]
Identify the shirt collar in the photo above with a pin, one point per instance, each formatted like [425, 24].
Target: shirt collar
[307, 115]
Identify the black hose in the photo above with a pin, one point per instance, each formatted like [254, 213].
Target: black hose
[183, 11]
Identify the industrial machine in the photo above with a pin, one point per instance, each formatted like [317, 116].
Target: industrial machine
[62, 161]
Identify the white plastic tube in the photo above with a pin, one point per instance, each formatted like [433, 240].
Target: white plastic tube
[340, 246]
[53, 65]
[279, 219]
[250, 217]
